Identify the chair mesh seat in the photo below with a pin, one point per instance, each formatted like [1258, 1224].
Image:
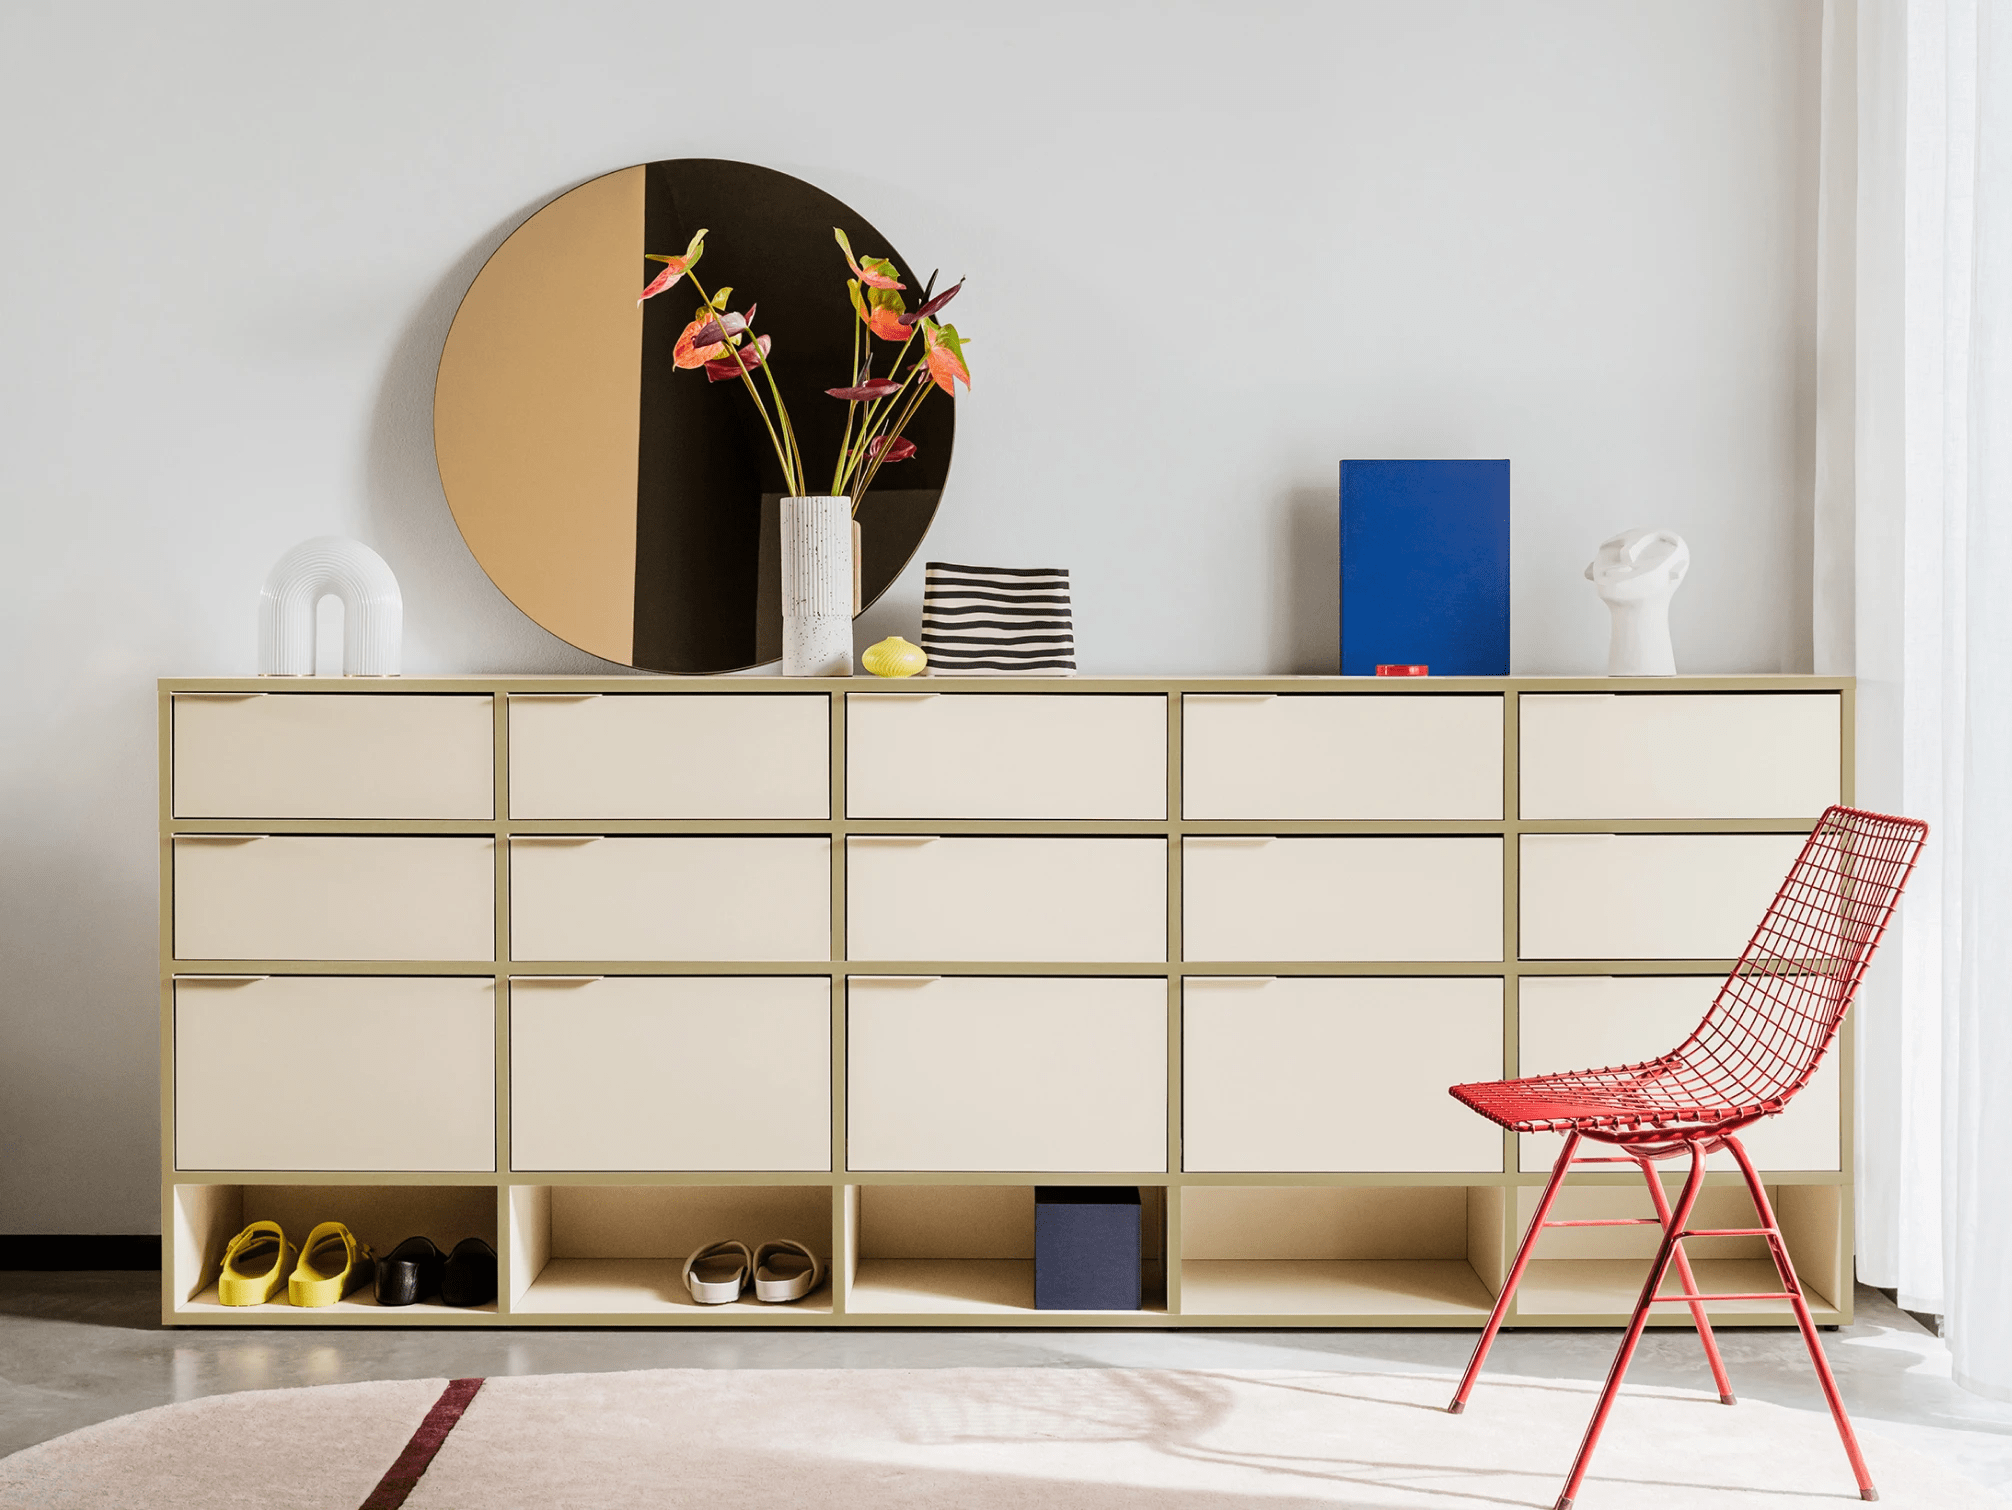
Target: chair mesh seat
[1773, 1019]
[1660, 1093]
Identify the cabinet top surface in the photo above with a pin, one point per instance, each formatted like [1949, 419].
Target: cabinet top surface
[582, 685]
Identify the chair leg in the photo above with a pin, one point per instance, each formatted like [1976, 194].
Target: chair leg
[1697, 1308]
[1778, 1250]
[1672, 1234]
[1487, 1340]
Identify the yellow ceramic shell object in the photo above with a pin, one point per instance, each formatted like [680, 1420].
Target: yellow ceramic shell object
[894, 657]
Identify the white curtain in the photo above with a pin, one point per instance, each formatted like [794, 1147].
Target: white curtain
[1913, 593]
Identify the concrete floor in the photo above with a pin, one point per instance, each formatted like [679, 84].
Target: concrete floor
[79, 1348]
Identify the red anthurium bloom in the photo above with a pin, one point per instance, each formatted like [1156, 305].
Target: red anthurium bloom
[688, 353]
[886, 324]
[946, 357]
[744, 359]
[899, 449]
[674, 267]
[874, 272]
[934, 304]
[721, 327]
[867, 392]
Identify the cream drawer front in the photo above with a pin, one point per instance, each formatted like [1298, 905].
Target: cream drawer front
[1092, 900]
[670, 899]
[335, 898]
[335, 1072]
[1304, 1074]
[1005, 755]
[671, 755]
[1341, 899]
[1648, 896]
[1027, 1073]
[1354, 757]
[1577, 1022]
[1679, 755]
[687, 1072]
[333, 755]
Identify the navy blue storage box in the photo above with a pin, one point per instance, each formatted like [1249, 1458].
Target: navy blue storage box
[1425, 566]
[1086, 1248]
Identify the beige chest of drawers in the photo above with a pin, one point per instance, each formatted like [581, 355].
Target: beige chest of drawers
[604, 969]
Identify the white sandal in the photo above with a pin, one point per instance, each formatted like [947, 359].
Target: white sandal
[725, 1275]
[785, 1270]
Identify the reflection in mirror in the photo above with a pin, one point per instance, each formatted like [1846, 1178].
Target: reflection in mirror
[630, 508]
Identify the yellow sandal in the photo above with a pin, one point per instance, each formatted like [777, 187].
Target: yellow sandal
[316, 1282]
[264, 1246]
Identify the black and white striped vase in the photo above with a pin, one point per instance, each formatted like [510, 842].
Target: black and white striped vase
[817, 586]
[997, 621]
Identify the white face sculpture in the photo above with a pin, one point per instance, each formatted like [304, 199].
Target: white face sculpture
[1638, 566]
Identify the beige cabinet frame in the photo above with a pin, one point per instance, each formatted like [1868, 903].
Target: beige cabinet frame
[1271, 1249]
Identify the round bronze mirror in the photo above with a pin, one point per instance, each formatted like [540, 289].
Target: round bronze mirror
[630, 507]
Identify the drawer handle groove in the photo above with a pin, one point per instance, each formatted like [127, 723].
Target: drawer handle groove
[221, 697]
[218, 980]
[1229, 980]
[892, 980]
[554, 697]
[1229, 697]
[556, 838]
[554, 980]
[1245, 839]
[220, 838]
[909, 839]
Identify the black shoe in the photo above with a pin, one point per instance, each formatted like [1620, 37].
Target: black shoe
[470, 1278]
[410, 1272]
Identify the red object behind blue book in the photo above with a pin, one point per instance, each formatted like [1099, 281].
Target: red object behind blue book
[1425, 566]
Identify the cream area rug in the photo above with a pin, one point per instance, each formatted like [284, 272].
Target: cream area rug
[975, 1439]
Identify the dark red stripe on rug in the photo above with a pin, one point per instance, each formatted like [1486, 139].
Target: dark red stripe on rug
[404, 1475]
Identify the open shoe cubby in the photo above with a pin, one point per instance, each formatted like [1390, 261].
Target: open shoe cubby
[1349, 1256]
[595, 1251]
[969, 1249]
[207, 1217]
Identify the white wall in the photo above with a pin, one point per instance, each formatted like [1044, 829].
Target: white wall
[1213, 249]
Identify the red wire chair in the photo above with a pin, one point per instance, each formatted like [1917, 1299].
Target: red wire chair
[1759, 1044]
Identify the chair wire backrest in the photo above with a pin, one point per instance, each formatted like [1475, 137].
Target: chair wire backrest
[1775, 1017]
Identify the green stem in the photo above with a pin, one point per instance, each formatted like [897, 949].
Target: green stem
[795, 479]
[873, 412]
[845, 441]
[892, 436]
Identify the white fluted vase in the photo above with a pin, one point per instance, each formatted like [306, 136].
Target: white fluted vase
[816, 586]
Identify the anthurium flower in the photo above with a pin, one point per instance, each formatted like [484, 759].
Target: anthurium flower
[674, 267]
[874, 272]
[945, 356]
[723, 327]
[866, 392]
[744, 359]
[880, 308]
[688, 352]
[898, 449]
[934, 304]
[886, 324]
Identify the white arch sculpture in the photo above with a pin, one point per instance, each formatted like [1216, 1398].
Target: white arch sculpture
[373, 613]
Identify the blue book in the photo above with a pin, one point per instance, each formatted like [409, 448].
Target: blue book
[1425, 566]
